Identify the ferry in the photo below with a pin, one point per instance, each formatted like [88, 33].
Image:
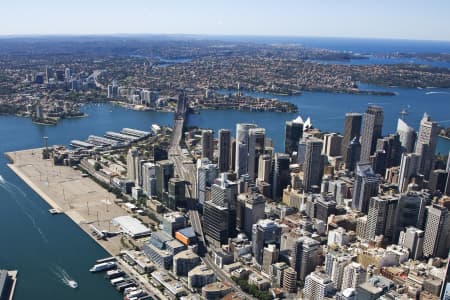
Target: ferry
[103, 267]
[111, 274]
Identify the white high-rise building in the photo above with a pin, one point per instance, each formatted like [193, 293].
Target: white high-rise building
[412, 239]
[149, 179]
[426, 144]
[318, 286]
[242, 146]
[409, 166]
[132, 161]
[206, 173]
[354, 275]
[407, 136]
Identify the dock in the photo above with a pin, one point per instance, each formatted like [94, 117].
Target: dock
[67, 191]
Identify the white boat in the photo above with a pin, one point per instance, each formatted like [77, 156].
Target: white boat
[72, 283]
[103, 266]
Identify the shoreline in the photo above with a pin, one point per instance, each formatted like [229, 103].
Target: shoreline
[77, 217]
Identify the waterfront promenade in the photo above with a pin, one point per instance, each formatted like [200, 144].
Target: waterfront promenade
[65, 190]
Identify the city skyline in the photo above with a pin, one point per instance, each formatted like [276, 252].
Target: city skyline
[382, 20]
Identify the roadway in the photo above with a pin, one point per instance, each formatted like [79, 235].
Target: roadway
[186, 170]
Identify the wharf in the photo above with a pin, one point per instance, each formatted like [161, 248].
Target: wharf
[66, 191]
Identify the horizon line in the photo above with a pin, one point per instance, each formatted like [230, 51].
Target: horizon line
[41, 35]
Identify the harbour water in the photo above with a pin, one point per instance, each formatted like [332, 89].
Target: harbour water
[38, 243]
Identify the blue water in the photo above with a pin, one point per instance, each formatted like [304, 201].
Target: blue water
[355, 45]
[37, 243]
[327, 111]
[375, 49]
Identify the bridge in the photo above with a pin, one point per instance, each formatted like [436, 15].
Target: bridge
[188, 172]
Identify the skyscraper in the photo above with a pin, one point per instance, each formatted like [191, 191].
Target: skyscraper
[392, 147]
[409, 167]
[164, 171]
[381, 217]
[176, 193]
[354, 275]
[352, 130]
[252, 210]
[264, 232]
[242, 133]
[132, 167]
[410, 211]
[366, 186]
[332, 144]
[293, 134]
[304, 256]
[353, 153]
[224, 146]
[207, 144]
[318, 286]
[149, 179]
[281, 174]
[313, 169]
[256, 143]
[426, 144]
[407, 136]
[371, 131]
[436, 231]
[206, 174]
[412, 239]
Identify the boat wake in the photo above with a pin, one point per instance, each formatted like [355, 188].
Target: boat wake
[432, 93]
[13, 191]
[63, 276]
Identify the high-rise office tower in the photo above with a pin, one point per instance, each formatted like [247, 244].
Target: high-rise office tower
[304, 256]
[207, 144]
[318, 286]
[412, 239]
[250, 210]
[176, 193]
[224, 146]
[436, 232]
[352, 130]
[132, 161]
[392, 147]
[206, 174]
[293, 134]
[164, 171]
[149, 179]
[281, 174]
[265, 168]
[224, 192]
[242, 134]
[409, 167]
[270, 256]
[378, 161]
[426, 144]
[371, 131]
[233, 154]
[354, 275]
[438, 180]
[407, 136]
[313, 168]
[352, 154]
[217, 222]
[256, 144]
[332, 143]
[335, 262]
[410, 211]
[366, 186]
[264, 232]
[381, 217]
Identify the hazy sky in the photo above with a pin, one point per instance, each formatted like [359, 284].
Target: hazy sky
[411, 19]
